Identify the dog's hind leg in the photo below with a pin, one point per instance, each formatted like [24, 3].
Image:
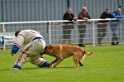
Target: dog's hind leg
[76, 58]
[81, 64]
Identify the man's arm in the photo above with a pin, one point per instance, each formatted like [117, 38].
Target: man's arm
[111, 16]
[15, 49]
[67, 17]
[88, 16]
[103, 16]
[80, 16]
[73, 17]
[117, 16]
[17, 44]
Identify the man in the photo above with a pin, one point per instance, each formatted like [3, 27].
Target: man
[67, 28]
[117, 14]
[82, 28]
[102, 25]
[31, 44]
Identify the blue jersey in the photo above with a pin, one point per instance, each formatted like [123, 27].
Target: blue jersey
[117, 16]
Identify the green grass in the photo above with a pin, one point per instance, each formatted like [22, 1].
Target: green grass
[105, 65]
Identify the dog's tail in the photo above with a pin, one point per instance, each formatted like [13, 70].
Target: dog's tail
[87, 53]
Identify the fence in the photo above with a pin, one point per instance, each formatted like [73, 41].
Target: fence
[33, 10]
[52, 31]
[7, 39]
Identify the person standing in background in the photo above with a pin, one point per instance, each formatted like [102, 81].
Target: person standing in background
[82, 28]
[102, 25]
[68, 25]
[117, 14]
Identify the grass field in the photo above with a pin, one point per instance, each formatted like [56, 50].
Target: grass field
[105, 65]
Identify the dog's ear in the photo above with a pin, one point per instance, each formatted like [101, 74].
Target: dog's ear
[50, 46]
[49, 49]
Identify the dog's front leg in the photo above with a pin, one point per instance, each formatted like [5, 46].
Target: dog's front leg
[56, 63]
[53, 61]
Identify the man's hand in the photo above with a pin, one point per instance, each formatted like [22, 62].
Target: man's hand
[74, 18]
[85, 18]
[14, 50]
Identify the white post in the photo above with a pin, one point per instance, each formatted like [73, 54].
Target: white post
[4, 30]
[49, 31]
[93, 33]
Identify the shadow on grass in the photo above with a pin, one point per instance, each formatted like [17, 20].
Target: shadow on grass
[70, 67]
[34, 68]
[5, 69]
[65, 67]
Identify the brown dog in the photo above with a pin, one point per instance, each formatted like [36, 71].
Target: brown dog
[61, 51]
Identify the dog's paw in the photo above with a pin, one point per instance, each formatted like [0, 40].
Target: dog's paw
[52, 66]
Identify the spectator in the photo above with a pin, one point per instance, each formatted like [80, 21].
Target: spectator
[117, 14]
[82, 28]
[102, 25]
[67, 28]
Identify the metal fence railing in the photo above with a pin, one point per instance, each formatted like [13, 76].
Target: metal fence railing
[52, 31]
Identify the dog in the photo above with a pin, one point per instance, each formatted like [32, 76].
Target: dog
[62, 51]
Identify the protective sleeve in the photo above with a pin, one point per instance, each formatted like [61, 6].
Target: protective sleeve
[17, 44]
[15, 49]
